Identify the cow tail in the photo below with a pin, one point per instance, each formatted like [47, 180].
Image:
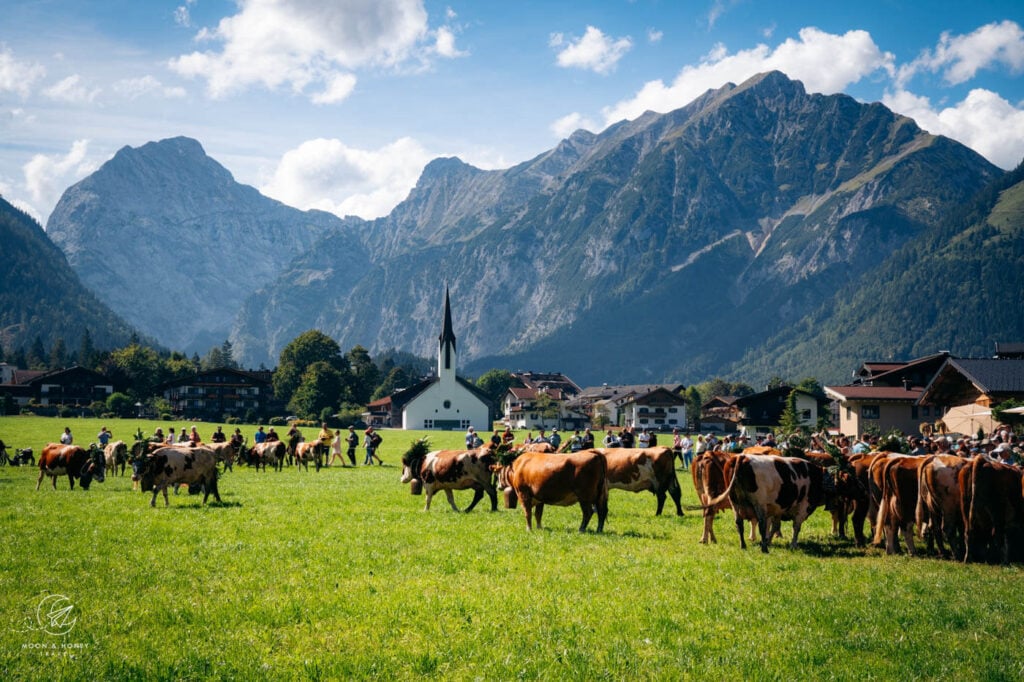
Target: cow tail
[739, 460]
[882, 507]
[921, 513]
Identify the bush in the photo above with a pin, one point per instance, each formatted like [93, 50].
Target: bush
[65, 411]
[251, 417]
[277, 421]
[164, 416]
[232, 420]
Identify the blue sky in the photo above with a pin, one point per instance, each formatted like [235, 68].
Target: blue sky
[339, 105]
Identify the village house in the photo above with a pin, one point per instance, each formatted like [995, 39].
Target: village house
[219, 393]
[964, 390]
[655, 406]
[761, 413]
[67, 387]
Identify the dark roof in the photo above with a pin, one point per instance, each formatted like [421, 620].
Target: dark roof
[961, 381]
[204, 376]
[1009, 350]
[621, 391]
[447, 337]
[538, 380]
[882, 393]
[64, 373]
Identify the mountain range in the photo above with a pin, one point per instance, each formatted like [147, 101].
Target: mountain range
[758, 231]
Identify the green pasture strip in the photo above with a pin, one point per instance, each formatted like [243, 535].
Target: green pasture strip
[340, 574]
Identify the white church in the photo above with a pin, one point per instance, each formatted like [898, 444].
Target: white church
[442, 402]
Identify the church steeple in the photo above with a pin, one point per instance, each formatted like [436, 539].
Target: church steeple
[446, 341]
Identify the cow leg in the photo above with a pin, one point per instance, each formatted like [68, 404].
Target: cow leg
[451, 499]
[429, 494]
[39, 481]
[493, 494]
[167, 502]
[602, 510]
[71, 481]
[478, 494]
[797, 522]
[908, 535]
[763, 528]
[588, 511]
[660, 495]
[739, 529]
[709, 527]
[527, 501]
[539, 512]
[677, 494]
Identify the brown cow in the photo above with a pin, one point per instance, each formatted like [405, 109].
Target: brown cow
[865, 502]
[540, 478]
[179, 465]
[73, 461]
[639, 469]
[992, 506]
[938, 502]
[305, 453]
[897, 509]
[709, 482]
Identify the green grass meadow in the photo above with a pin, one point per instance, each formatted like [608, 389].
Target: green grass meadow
[341, 574]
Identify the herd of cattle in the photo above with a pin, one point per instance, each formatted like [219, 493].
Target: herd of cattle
[971, 509]
[975, 506]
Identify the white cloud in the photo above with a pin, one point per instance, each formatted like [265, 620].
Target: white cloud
[47, 176]
[594, 51]
[567, 125]
[296, 43]
[983, 121]
[961, 57]
[328, 175]
[445, 45]
[17, 76]
[134, 88]
[71, 90]
[338, 87]
[654, 36]
[824, 62]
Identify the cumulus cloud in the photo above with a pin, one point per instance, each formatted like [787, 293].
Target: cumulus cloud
[338, 87]
[17, 76]
[445, 43]
[297, 43]
[46, 176]
[825, 62]
[959, 58]
[183, 14]
[654, 36]
[594, 51]
[71, 90]
[567, 125]
[327, 174]
[983, 121]
[134, 88]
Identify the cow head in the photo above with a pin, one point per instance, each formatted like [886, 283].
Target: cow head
[412, 460]
[502, 468]
[94, 467]
[147, 470]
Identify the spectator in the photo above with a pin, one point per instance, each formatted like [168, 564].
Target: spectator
[103, 436]
[555, 439]
[66, 438]
[260, 436]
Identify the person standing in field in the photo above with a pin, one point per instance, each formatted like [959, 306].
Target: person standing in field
[353, 443]
[371, 443]
[66, 438]
[336, 449]
[104, 436]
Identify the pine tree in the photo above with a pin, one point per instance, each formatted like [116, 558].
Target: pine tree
[87, 350]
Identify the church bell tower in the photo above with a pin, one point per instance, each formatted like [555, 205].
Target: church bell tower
[446, 345]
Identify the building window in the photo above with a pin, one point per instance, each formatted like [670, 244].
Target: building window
[913, 412]
[805, 415]
[673, 410]
[447, 404]
[926, 411]
[869, 412]
[465, 423]
[428, 423]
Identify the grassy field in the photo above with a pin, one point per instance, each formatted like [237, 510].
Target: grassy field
[340, 574]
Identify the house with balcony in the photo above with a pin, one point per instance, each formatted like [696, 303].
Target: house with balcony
[219, 393]
[66, 387]
[761, 413]
[618, 405]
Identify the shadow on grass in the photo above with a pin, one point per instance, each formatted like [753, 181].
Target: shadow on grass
[200, 505]
[829, 548]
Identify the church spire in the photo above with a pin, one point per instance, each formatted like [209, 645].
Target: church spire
[446, 341]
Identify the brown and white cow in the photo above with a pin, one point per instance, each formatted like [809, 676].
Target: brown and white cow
[115, 454]
[771, 489]
[270, 452]
[305, 453]
[938, 502]
[225, 453]
[639, 469]
[179, 465]
[540, 478]
[74, 462]
[450, 470]
[992, 506]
